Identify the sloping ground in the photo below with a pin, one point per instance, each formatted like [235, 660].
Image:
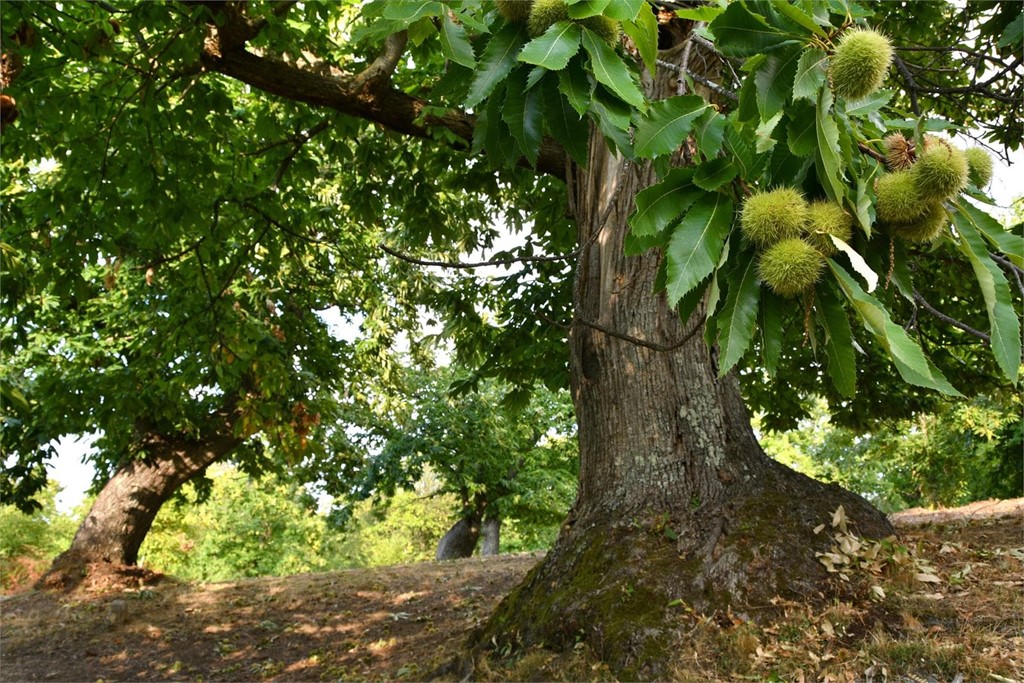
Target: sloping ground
[964, 623]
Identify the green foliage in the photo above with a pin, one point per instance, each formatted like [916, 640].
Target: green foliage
[963, 452]
[489, 457]
[29, 541]
[244, 528]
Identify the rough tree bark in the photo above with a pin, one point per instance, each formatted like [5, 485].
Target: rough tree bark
[112, 533]
[676, 498]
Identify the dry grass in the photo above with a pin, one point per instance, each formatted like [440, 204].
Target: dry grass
[398, 623]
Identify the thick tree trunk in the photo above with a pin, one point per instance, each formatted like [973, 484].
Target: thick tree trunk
[676, 498]
[112, 533]
[460, 541]
[492, 536]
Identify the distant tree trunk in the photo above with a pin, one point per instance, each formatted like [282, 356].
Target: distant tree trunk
[676, 498]
[122, 514]
[461, 539]
[492, 536]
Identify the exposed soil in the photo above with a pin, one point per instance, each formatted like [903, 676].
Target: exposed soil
[402, 622]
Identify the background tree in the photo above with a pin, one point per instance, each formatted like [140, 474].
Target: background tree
[648, 130]
[498, 462]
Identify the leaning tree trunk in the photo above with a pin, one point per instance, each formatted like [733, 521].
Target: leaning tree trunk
[112, 533]
[460, 541]
[676, 498]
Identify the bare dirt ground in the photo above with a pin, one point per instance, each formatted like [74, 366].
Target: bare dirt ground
[399, 623]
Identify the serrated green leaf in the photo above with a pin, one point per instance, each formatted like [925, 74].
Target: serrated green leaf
[643, 31]
[625, 10]
[869, 104]
[771, 330]
[709, 131]
[523, 114]
[1003, 321]
[409, 11]
[705, 13]
[658, 207]
[865, 211]
[609, 69]
[581, 9]
[810, 74]
[740, 33]
[750, 161]
[797, 16]
[908, 357]
[774, 80]
[667, 124]
[842, 362]
[576, 86]
[827, 132]
[714, 173]
[697, 243]
[1014, 32]
[495, 63]
[736, 322]
[564, 124]
[455, 44]
[763, 133]
[720, 271]
[554, 48]
[1011, 245]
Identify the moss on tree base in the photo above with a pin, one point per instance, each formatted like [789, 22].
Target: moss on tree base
[618, 586]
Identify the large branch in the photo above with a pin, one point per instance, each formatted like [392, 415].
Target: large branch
[370, 98]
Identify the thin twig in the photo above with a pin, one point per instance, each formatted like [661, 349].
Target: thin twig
[1009, 265]
[920, 301]
[700, 79]
[464, 265]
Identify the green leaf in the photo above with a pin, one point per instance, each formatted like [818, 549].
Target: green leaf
[704, 13]
[750, 161]
[869, 104]
[801, 133]
[496, 62]
[610, 70]
[810, 74]
[554, 48]
[865, 212]
[409, 11]
[739, 33]
[581, 9]
[712, 174]
[522, 113]
[697, 243]
[797, 16]
[564, 124]
[771, 330]
[626, 10]
[454, 43]
[576, 86]
[667, 124]
[908, 357]
[660, 206]
[763, 133]
[774, 80]
[643, 31]
[842, 362]
[827, 132]
[1002, 318]
[736, 321]
[709, 131]
[1011, 245]
[1014, 32]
